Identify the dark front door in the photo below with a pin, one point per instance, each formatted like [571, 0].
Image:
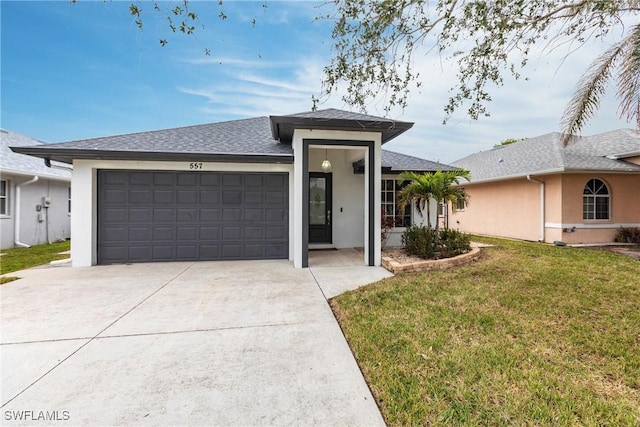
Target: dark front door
[320, 207]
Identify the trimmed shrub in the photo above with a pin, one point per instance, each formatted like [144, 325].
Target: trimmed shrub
[453, 243]
[421, 241]
[628, 235]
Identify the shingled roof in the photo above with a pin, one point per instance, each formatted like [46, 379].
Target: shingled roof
[393, 162]
[546, 155]
[259, 139]
[247, 138]
[19, 164]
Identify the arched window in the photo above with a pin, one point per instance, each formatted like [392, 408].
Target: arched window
[595, 200]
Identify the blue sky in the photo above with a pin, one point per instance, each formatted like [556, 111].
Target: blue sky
[75, 71]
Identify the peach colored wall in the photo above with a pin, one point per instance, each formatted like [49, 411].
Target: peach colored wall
[624, 190]
[509, 209]
[635, 160]
[512, 208]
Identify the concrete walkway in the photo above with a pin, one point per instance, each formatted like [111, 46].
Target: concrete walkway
[207, 343]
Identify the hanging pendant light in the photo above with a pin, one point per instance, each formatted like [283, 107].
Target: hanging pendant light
[326, 164]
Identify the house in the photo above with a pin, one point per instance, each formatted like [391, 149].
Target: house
[537, 189]
[35, 200]
[257, 188]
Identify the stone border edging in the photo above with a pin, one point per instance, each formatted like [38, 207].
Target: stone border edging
[431, 264]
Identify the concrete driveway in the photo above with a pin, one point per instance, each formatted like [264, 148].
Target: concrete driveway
[207, 343]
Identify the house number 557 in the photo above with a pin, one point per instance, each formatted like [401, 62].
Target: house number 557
[195, 166]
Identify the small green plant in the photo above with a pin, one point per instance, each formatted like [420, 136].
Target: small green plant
[628, 235]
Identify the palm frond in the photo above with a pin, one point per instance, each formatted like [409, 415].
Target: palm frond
[591, 87]
[629, 77]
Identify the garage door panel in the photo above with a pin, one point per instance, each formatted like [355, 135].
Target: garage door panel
[141, 178]
[140, 215]
[209, 196]
[163, 253]
[276, 233]
[209, 215]
[209, 233]
[276, 215]
[254, 251]
[276, 250]
[166, 197]
[163, 233]
[254, 233]
[186, 252]
[168, 216]
[210, 252]
[253, 198]
[187, 179]
[115, 234]
[140, 234]
[115, 215]
[140, 196]
[274, 198]
[230, 215]
[163, 179]
[231, 251]
[232, 198]
[231, 180]
[253, 215]
[186, 233]
[187, 197]
[139, 253]
[115, 196]
[186, 215]
[231, 233]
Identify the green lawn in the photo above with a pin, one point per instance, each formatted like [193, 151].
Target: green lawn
[529, 335]
[20, 258]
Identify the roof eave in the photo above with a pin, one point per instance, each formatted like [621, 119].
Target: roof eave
[550, 172]
[7, 171]
[68, 155]
[282, 127]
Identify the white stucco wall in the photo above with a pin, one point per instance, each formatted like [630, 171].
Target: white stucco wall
[34, 224]
[84, 194]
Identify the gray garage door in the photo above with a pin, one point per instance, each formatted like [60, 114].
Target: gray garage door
[184, 216]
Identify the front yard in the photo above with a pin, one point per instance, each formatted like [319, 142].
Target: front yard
[15, 259]
[528, 335]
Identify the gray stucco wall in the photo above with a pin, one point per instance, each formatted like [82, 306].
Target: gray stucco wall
[33, 223]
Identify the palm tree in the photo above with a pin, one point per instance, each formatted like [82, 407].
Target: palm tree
[444, 191]
[438, 186]
[625, 55]
[419, 191]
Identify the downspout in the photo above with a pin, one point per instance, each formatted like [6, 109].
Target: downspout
[17, 241]
[542, 218]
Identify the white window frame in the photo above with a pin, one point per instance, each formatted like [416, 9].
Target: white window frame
[5, 196]
[590, 215]
[384, 202]
[69, 200]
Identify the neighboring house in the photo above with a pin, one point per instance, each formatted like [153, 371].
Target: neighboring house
[537, 189]
[242, 189]
[34, 199]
